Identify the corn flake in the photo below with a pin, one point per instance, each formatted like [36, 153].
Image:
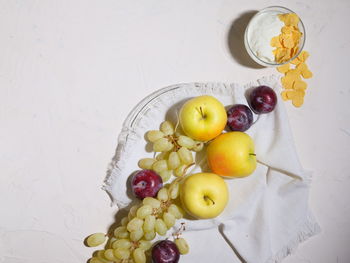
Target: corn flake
[306, 74]
[299, 85]
[286, 47]
[287, 43]
[295, 61]
[303, 56]
[298, 101]
[290, 19]
[284, 68]
[275, 42]
[284, 95]
[287, 83]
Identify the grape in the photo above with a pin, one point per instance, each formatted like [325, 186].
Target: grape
[118, 230]
[160, 227]
[179, 171]
[160, 166]
[148, 225]
[165, 175]
[154, 135]
[121, 253]
[108, 254]
[95, 260]
[110, 242]
[162, 145]
[149, 235]
[124, 221]
[96, 239]
[145, 245]
[198, 146]
[134, 224]
[174, 190]
[132, 212]
[162, 156]
[185, 155]
[101, 256]
[175, 211]
[163, 195]
[182, 246]
[146, 163]
[136, 235]
[169, 219]
[167, 128]
[154, 203]
[121, 243]
[122, 233]
[173, 160]
[144, 211]
[139, 255]
[185, 141]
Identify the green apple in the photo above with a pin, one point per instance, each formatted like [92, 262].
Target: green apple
[203, 118]
[232, 155]
[204, 195]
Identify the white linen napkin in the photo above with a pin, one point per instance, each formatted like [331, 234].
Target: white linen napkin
[268, 213]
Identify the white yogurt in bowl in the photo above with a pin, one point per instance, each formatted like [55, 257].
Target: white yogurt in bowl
[261, 29]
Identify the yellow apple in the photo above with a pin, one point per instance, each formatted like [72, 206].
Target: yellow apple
[204, 195]
[232, 155]
[203, 118]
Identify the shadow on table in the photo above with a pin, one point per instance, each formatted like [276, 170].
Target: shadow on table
[235, 40]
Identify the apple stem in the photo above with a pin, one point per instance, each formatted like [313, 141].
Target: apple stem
[206, 198]
[252, 154]
[201, 110]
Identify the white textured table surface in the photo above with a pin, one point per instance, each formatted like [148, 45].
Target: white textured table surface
[70, 72]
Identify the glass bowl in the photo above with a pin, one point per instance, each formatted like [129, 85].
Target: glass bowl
[273, 10]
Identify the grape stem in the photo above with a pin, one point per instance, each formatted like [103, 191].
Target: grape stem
[178, 120]
[178, 232]
[173, 140]
[185, 170]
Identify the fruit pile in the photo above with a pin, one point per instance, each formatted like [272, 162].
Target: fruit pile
[202, 121]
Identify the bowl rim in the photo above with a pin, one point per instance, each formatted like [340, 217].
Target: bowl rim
[256, 58]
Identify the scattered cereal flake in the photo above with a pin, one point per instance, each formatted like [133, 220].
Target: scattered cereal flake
[287, 83]
[303, 56]
[295, 61]
[294, 74]
[302, 66]
[300, 85]
[284, 95]
[286, 47]
[284, 68]
[290, 94]
[298, 101]
[306, 74]
[299, 93]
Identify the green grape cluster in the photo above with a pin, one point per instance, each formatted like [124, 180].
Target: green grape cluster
[130, 241]
[174, 149]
